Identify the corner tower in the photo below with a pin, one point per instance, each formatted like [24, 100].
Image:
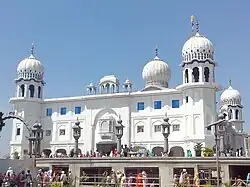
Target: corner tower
[230, 104]
[27, 101]
[198, 87]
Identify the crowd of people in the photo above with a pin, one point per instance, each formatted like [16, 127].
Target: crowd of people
[41, 179]
[125, 152]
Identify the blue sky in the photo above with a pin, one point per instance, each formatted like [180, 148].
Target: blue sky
[80, 41]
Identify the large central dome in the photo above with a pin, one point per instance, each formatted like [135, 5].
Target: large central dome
[156, 73]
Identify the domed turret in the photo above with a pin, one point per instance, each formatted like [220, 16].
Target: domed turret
[230, 96]
[30, 68]
[156, 72]
[230, 104]
[198, 58]
[197, 47]
[29, 79]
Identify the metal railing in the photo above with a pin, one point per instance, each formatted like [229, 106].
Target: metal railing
[103, 182]
[99, 181]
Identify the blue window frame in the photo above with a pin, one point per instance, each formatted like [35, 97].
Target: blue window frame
[175, 103]
[63, 111]
[157, 104]
[140, 106]
[77, 110]
[49, 112]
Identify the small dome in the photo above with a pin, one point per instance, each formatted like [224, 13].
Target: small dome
[30, 68]
[197, 47]
[230, 96]
[156, 73]
[127, 82]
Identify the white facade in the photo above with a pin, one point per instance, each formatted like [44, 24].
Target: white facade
[190, 106]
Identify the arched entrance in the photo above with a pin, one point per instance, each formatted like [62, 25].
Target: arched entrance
[176, 151]
[61, 152]
[71, 154]
[157, 151]
[47, 152]
[105, 147]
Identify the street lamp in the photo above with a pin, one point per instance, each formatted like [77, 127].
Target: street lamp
[219, 127]
[165, 127]
[36, 136]
[76, 134]
[119, 133]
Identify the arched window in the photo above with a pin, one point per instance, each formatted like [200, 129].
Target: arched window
[236, 114]
[32, 90]
[186, 76]
[230, 114]
[22, 90]
[196, 74]
[108, 88]
[39, 92]
[206, 74]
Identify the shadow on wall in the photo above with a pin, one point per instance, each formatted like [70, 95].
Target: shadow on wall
[17, 165]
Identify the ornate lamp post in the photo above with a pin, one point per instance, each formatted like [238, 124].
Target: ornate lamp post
[76, 134]
[36, 136]
[219, 127]
[165, 127]
[119, 133]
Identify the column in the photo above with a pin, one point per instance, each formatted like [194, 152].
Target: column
[166, 175]
[18, 91]
[26, 90]
[165, 146]
[190, 75]
[201, 74]
[119, 144]
[221, 144]
[30, 148]
[76, 148]
[92, 139]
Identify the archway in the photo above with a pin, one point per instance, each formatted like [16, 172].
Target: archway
[71, 154]
[47, 152]
[176, 151]
[97, 117]
[105, 147]
[157, 151]
[61, 152]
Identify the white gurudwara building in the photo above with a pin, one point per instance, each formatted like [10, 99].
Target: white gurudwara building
[190, 106]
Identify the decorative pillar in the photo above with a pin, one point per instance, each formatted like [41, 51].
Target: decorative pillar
[221, 133]
[76, 134]
[119, 133]
[165, 127]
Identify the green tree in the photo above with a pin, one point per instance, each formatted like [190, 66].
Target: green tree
[198, 149]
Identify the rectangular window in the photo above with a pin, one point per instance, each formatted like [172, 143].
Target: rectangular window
[140, 129]
[176, 127]
[175, 104]
[186, 99]
[157, 128]
[157, 105]
[18, 131]
[49, 112]
[77, 110]
[48, 132]
[63, 111]
[62, 132]
[140, 106]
